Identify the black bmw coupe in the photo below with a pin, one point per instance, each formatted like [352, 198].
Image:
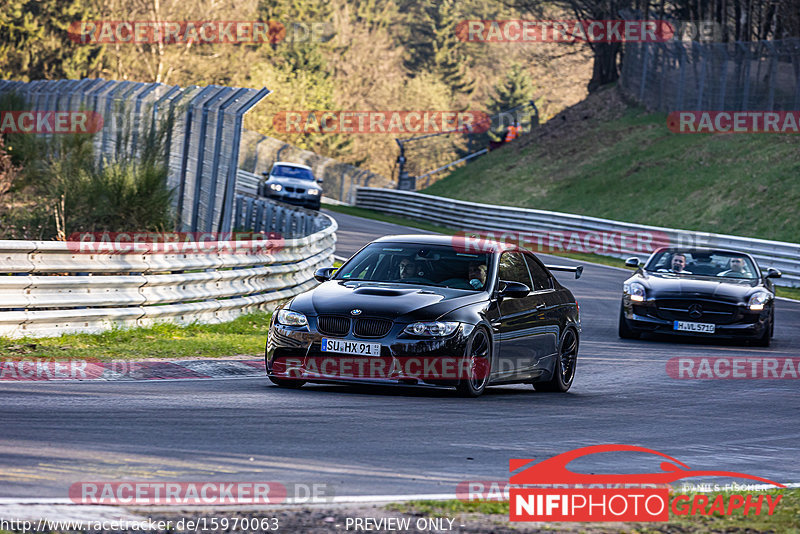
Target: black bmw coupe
[429, 310]
[699, 292]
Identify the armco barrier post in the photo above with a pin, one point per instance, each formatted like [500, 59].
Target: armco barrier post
[209, 174]
[243, 105]
[184, 141]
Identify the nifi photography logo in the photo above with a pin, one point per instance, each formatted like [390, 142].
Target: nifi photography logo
[548, 491]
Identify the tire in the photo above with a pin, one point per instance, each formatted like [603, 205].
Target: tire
[479, 351]
[286, 383]
[765, 338]
[564, 370]
[625, 331]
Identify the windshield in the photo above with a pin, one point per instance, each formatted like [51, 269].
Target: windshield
[703, 263]
[285, 171]
[404, 263]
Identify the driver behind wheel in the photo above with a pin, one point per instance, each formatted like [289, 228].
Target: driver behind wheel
[407, 268]
[737, 268]
[477, 275]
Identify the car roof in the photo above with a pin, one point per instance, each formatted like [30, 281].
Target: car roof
[287, 164]
[458, 240]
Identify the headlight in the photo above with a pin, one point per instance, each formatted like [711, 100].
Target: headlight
[291, 318]
[435, 329]
[313, 192]
[636, 291]
[276, 187]
[758, 301]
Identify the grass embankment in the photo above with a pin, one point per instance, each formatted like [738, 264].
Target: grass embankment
[785, 518]
[245, 335]
[603, 159]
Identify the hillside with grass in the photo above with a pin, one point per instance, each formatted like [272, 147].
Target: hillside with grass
[606, 159]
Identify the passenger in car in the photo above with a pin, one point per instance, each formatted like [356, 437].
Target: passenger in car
[677, 264]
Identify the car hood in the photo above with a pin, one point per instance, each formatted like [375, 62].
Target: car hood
[388, 300]
[731, 289]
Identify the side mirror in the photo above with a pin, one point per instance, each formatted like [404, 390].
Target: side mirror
[513, 290]
[320, 180]
[772, 272]
[324, 274]
[632, 262]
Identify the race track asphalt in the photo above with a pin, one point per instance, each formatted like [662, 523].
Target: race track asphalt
[406, 440]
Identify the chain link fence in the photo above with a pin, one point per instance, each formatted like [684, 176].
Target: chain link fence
[703, 76]
[203, 134]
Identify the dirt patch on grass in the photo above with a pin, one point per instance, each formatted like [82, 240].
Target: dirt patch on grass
[578, 121]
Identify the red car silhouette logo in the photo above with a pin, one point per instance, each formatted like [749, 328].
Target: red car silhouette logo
[554, 470]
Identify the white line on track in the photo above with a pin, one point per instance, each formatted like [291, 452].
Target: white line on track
[62, 381]
[346, 498]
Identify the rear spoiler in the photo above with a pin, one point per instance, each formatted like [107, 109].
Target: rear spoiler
[577, 270]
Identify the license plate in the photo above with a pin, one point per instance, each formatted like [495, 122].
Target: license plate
[351, 347]
[705, 328]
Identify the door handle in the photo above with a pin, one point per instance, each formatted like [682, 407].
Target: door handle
[540, 306]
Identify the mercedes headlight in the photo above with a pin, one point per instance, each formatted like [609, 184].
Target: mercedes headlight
[636, 291]
[276, 187]
[313, 192]
[758, 301]
[291, 318]
[432, 329]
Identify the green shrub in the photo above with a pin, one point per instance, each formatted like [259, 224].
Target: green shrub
[63, 187]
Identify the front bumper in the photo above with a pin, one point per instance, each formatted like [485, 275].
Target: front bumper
[306, 201]
[295, 353]
[744, 324]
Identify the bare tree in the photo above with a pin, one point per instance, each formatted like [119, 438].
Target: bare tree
[605, 66]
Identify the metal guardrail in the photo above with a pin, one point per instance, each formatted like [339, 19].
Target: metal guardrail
[247, 183]
[472, 216]
[263, 215]
[49, 289]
